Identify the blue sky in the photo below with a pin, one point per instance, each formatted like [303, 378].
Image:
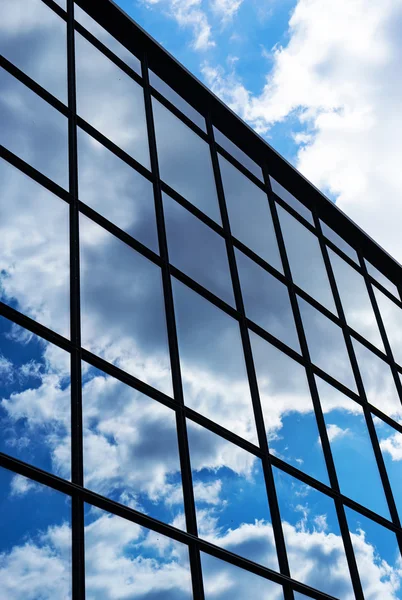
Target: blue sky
[123, 322]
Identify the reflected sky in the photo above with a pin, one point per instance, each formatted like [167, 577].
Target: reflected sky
[391, 315]
[283, 193]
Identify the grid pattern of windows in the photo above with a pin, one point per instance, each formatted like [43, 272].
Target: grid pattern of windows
[201, 380]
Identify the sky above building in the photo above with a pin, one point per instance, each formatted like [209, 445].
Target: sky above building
[319, 80]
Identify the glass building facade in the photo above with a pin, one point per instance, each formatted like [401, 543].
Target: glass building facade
[200, 355]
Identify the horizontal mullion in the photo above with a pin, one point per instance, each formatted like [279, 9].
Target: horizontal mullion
[34, 86]
[178, 113]
[240, 167]
[384, 290]
[56, 8]
[107, 52]
[294, 212]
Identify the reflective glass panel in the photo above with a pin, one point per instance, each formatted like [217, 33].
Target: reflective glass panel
[378, 381]
[33, 38]
[122, 308]
[249, 214]
[288, 410]
[32, 129]
[213, 369]
[235, 151]
[392, 318]
[108, 40]
[230, 497]
[283, 193]
[355, 300]
[185, 161]
[111, 101]
[35, 541]
[314, 544]
[266, 301]
[391, 287]
[116, 191]
[197, 250]
[34, 259]
[305, 259]
[377, 556]
[121, 460]
[339, 242]
[391, 446]
[177, 100]
[326, 344]
[223, 581]
[125, 560]
[35, 400]
[352, 451]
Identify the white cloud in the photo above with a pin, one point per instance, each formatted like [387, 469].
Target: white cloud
[393, 445]
[226, 9]
[334, 432]
[21, 485]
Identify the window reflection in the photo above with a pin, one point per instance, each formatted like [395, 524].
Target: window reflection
[197, 250]
[125, 560]
[230, 497]
[392, 318]
[376, 274]
[212, 363]
[241, 156]
[314, 544]
[391, 447]
[352, 451]
[35, 545]
[33, 38]
[326, 345]
[305, 259]
[283, 193]
[111, 101]
[116, 191]
[377, 556]
[223, 581]
[339, 242]
[266, 301]
[355, 300]
[33, 130]
[249, 214]
[121, 460]
[34, 263]
[185, 161]
[288, 410]
[122, 308]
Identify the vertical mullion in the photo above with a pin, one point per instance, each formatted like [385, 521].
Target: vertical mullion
[188, 493]
[259, 420]
[78, 558]
[329, 461]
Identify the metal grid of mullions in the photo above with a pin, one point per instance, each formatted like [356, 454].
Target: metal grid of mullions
[79, 495]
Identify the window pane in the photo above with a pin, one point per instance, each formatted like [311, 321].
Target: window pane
[35, 545]
[326, 345]
[34, 263]
[230, 497]
[353, 453]
[120, 459]
[378, 381]
[391, 287]
[123, 317]
[35, 400]
[197, 250]
[391, 447]
[266, 301]
[339, 242]
[392, 318]
[235, 151]
[177, 100]
[355, 300]
[305, 259]
[283, 193]
[125, 560]
[223, 581]
[212, 363]
[116, 191]
[33, 38]
[111, 101]
[108, 40]
[249, 214]
[185, 161]
[313, 540]
[377, 556]
[33, 130]
[288, 410]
